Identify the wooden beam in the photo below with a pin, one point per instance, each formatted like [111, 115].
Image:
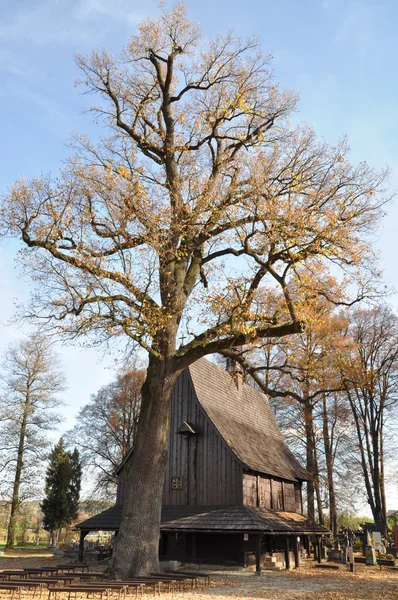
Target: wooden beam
[287, 552]
[258, 552]
[319, 548]
[296, 550]
[270, 488]
[83, 534]
[194, 547]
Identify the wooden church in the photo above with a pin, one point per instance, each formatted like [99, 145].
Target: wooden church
[233, 489]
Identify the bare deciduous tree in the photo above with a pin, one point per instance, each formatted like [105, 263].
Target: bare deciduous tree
[30, 380]
[199, 211]
[106, 427]
[371, 376]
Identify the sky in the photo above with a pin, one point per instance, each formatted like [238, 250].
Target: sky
[339, 55]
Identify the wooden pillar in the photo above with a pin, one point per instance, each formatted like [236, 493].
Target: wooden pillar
[307, 541]
[296, 550]
[315, 547]
[81, 545]
[193, 546]
[319, 548]
[175, 542]
[287, 552]
[258, 552]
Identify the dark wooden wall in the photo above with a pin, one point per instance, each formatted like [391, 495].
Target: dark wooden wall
[211, 474]
[264, 491]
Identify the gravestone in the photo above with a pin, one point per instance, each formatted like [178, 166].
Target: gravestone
[370, 555]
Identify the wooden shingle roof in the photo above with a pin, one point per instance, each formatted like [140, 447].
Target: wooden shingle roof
[214, 518]
[246, 422]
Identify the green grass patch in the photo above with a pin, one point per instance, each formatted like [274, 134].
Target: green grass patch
[26, 547]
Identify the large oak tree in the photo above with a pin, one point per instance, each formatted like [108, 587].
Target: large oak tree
[196, 213]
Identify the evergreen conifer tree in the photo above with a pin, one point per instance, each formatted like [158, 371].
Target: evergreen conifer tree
[63, 481]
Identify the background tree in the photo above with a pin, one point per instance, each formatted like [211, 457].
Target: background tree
[106, 427]
[196, 213]
[300, 373]
[63, 481]
[371, 377]
[30, 380]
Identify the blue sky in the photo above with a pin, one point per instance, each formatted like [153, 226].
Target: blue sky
[340, 55]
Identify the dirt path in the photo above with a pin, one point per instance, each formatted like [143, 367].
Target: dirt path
[307, 583]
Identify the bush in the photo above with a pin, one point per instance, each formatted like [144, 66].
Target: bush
[357, 546]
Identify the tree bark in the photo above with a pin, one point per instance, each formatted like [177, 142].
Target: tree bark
[317, 484]
[329, 469]
[15, 502]
[382, 480]
[308, 423]
[136, 549]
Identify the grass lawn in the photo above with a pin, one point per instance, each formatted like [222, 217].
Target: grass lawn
[29, 548]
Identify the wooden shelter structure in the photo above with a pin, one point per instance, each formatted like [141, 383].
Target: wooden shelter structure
[233, 489]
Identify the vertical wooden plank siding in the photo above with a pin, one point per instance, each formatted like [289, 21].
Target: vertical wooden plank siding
[289, 497]
[264, 492]
[249, 489]
[257, 492]
[211, 474]
[298, 498]
[276, 491]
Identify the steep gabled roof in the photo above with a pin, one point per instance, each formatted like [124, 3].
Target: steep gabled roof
[246, 422]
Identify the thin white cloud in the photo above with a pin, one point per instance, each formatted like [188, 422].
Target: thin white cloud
[355, 20]
[66, 21]
[125, 10]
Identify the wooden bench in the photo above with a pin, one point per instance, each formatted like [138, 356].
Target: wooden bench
[86, 576]
[29, 584]
[12, 588]
[82, 577]
[35, 572]
[82, 589]
[138, 587]
[178, 578]
[54, 579]
[145, 581]
[204, 576]
[49, 569]
[110, 585]
[10, 573]
[74, 566]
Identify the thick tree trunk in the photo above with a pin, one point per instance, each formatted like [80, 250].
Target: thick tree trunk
[317, 485]
[378, 514]
[15, 502]
[308, 423]
[365, 470]
[382, 482]
[136, 550]
[329, 469]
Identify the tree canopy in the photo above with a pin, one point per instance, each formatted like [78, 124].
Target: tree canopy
[202, 212]
[200, 169]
